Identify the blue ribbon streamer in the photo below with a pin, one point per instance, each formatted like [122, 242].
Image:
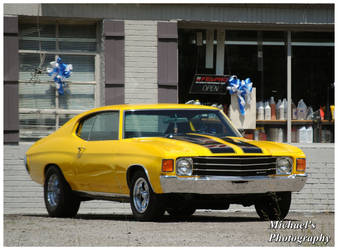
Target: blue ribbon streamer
[242, 89]
[60, 71]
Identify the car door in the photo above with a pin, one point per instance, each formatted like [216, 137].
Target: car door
[97, 144]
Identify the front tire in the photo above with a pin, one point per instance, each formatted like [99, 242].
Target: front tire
[274, 207]
[59, 200]
[181, 212]
[145, 204]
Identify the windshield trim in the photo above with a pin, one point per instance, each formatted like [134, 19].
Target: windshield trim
[227, 120]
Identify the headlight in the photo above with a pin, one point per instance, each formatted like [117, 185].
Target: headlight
[184, 166]
[284, 165]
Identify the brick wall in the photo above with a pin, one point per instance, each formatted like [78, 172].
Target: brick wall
[140, 61]
[318, 193]
[21, 195]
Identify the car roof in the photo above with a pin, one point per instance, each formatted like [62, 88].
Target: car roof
[152, 106]
[70, 124]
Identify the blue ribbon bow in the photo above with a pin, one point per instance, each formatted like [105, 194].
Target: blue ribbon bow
[242, 89]
[60, 71]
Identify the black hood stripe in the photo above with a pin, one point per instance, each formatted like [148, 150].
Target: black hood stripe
[212, 145]
[246, 147]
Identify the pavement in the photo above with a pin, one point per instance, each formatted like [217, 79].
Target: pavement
[204, 228]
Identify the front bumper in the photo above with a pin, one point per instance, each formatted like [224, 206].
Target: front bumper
[232, 184]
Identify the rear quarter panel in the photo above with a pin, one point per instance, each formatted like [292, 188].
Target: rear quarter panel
[52, 150]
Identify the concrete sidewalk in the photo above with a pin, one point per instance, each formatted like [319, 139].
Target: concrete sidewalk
[205, 228]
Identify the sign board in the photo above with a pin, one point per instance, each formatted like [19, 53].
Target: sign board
[209, 84]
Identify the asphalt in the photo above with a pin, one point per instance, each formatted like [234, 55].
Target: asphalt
[205, 228]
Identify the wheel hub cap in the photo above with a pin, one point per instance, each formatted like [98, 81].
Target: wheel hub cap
[53, 190]
[141, 195]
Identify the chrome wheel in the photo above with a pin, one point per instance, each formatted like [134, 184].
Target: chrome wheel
[53, 190]
[141, 195]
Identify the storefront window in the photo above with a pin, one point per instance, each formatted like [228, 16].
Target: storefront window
[312, 77]
[41, 108]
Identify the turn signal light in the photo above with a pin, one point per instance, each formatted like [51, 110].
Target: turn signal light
[301, 165]
[168, 165]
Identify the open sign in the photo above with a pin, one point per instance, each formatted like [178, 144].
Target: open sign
[209, 84]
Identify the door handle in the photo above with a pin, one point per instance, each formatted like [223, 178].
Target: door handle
[81, 149]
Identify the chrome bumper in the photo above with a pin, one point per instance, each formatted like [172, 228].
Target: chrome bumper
[232, 184]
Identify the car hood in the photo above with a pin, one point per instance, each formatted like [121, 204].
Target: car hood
[198, 145]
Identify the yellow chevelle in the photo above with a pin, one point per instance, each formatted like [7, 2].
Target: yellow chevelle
[164, 157]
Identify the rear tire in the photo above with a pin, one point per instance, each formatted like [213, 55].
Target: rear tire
[274, 207]
[58, 196]
[145, 204]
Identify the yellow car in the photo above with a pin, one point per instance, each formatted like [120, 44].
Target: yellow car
[163, 157]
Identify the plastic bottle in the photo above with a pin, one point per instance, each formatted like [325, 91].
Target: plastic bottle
[281, 134]
[309, 134]
[285, 104]
[260, 111]
[321, 113]
[294, 136]
[277, 108]
[309, 114]
[293, 111]
[267, 111]
[302, 135]
[326, 136]
[301, 110]
[332, 111]
[273, 108]
[281, 111]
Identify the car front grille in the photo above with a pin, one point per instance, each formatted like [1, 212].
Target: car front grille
[234, 166]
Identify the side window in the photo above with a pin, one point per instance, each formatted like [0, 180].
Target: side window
[85, 128]
[106, 127]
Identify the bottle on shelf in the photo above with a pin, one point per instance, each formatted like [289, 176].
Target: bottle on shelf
[309, 134]
[321, 112]
[326, 136]
[276, 134]
[293, 111]
[267, 111]
[309, 114]
[285, 104]
[302, 135]
[277, 108]
[260, 111]
[273, 108]
[294, 134]
[332, 111]
[280, 134]
[281, 111]
[301, 110]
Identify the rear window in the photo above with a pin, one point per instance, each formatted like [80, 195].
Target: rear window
[99, 127]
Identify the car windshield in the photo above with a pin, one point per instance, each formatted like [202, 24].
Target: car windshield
[168, 123]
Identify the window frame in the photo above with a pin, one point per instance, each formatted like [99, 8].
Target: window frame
[57, 111]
